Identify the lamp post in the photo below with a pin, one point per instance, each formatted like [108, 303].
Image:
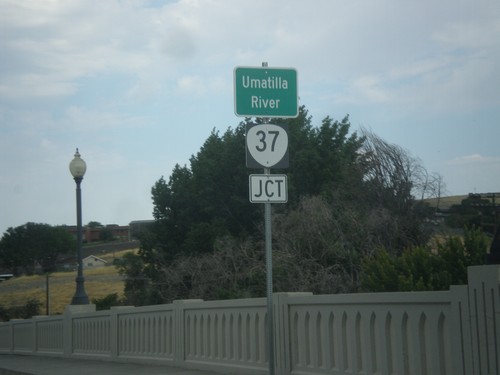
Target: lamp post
[77, 167]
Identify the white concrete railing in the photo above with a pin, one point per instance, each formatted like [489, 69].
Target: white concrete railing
[450, 332]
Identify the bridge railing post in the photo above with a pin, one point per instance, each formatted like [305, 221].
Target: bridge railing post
[460, 330]
[484, 302]
[68, 325]
[180, 330]
[282, 330]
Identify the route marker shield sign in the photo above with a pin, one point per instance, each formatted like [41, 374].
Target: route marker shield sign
[267, 146]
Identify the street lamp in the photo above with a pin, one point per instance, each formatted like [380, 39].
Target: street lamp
[77, 167]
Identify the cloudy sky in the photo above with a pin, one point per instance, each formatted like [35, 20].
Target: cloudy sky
[138, 86]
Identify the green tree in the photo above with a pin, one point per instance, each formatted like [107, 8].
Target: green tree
[202, 202]
[106, 234]
[25, 246]
[476, 246]
[473, 211]
[322, 159]
[94, 224]
[137, 284]
[318, 246]
[392, 181]
[30, 309]
[331, 177]
[106, 302]
[380, 273]
[209, 199]
[420, 268]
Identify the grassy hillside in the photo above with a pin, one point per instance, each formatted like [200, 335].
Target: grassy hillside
[99, 282]
[446, 202]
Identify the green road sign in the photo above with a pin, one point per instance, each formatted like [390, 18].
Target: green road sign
[265, 92]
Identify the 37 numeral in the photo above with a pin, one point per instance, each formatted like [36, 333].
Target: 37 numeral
[273, 134]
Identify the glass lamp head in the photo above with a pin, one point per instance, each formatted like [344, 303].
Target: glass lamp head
[77, 166]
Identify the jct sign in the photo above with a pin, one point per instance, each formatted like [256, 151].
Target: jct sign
[268, 188]
[265, 92]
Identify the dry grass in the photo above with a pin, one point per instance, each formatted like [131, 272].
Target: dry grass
[99, 282]
[446, 202]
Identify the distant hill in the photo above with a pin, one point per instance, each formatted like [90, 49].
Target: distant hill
[109, 247]
[446, 202]
[99, 283]
[100, 250]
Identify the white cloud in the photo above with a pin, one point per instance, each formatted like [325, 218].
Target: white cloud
[367, 89]
[138, 87]
[419, 68]
[191, 85]
[473, 33]
[87, 120]
[179, 44]
[53, 44]
[473, 159]
[472, 173]
[199, 85]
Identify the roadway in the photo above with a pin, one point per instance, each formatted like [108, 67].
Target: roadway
[11, 364]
